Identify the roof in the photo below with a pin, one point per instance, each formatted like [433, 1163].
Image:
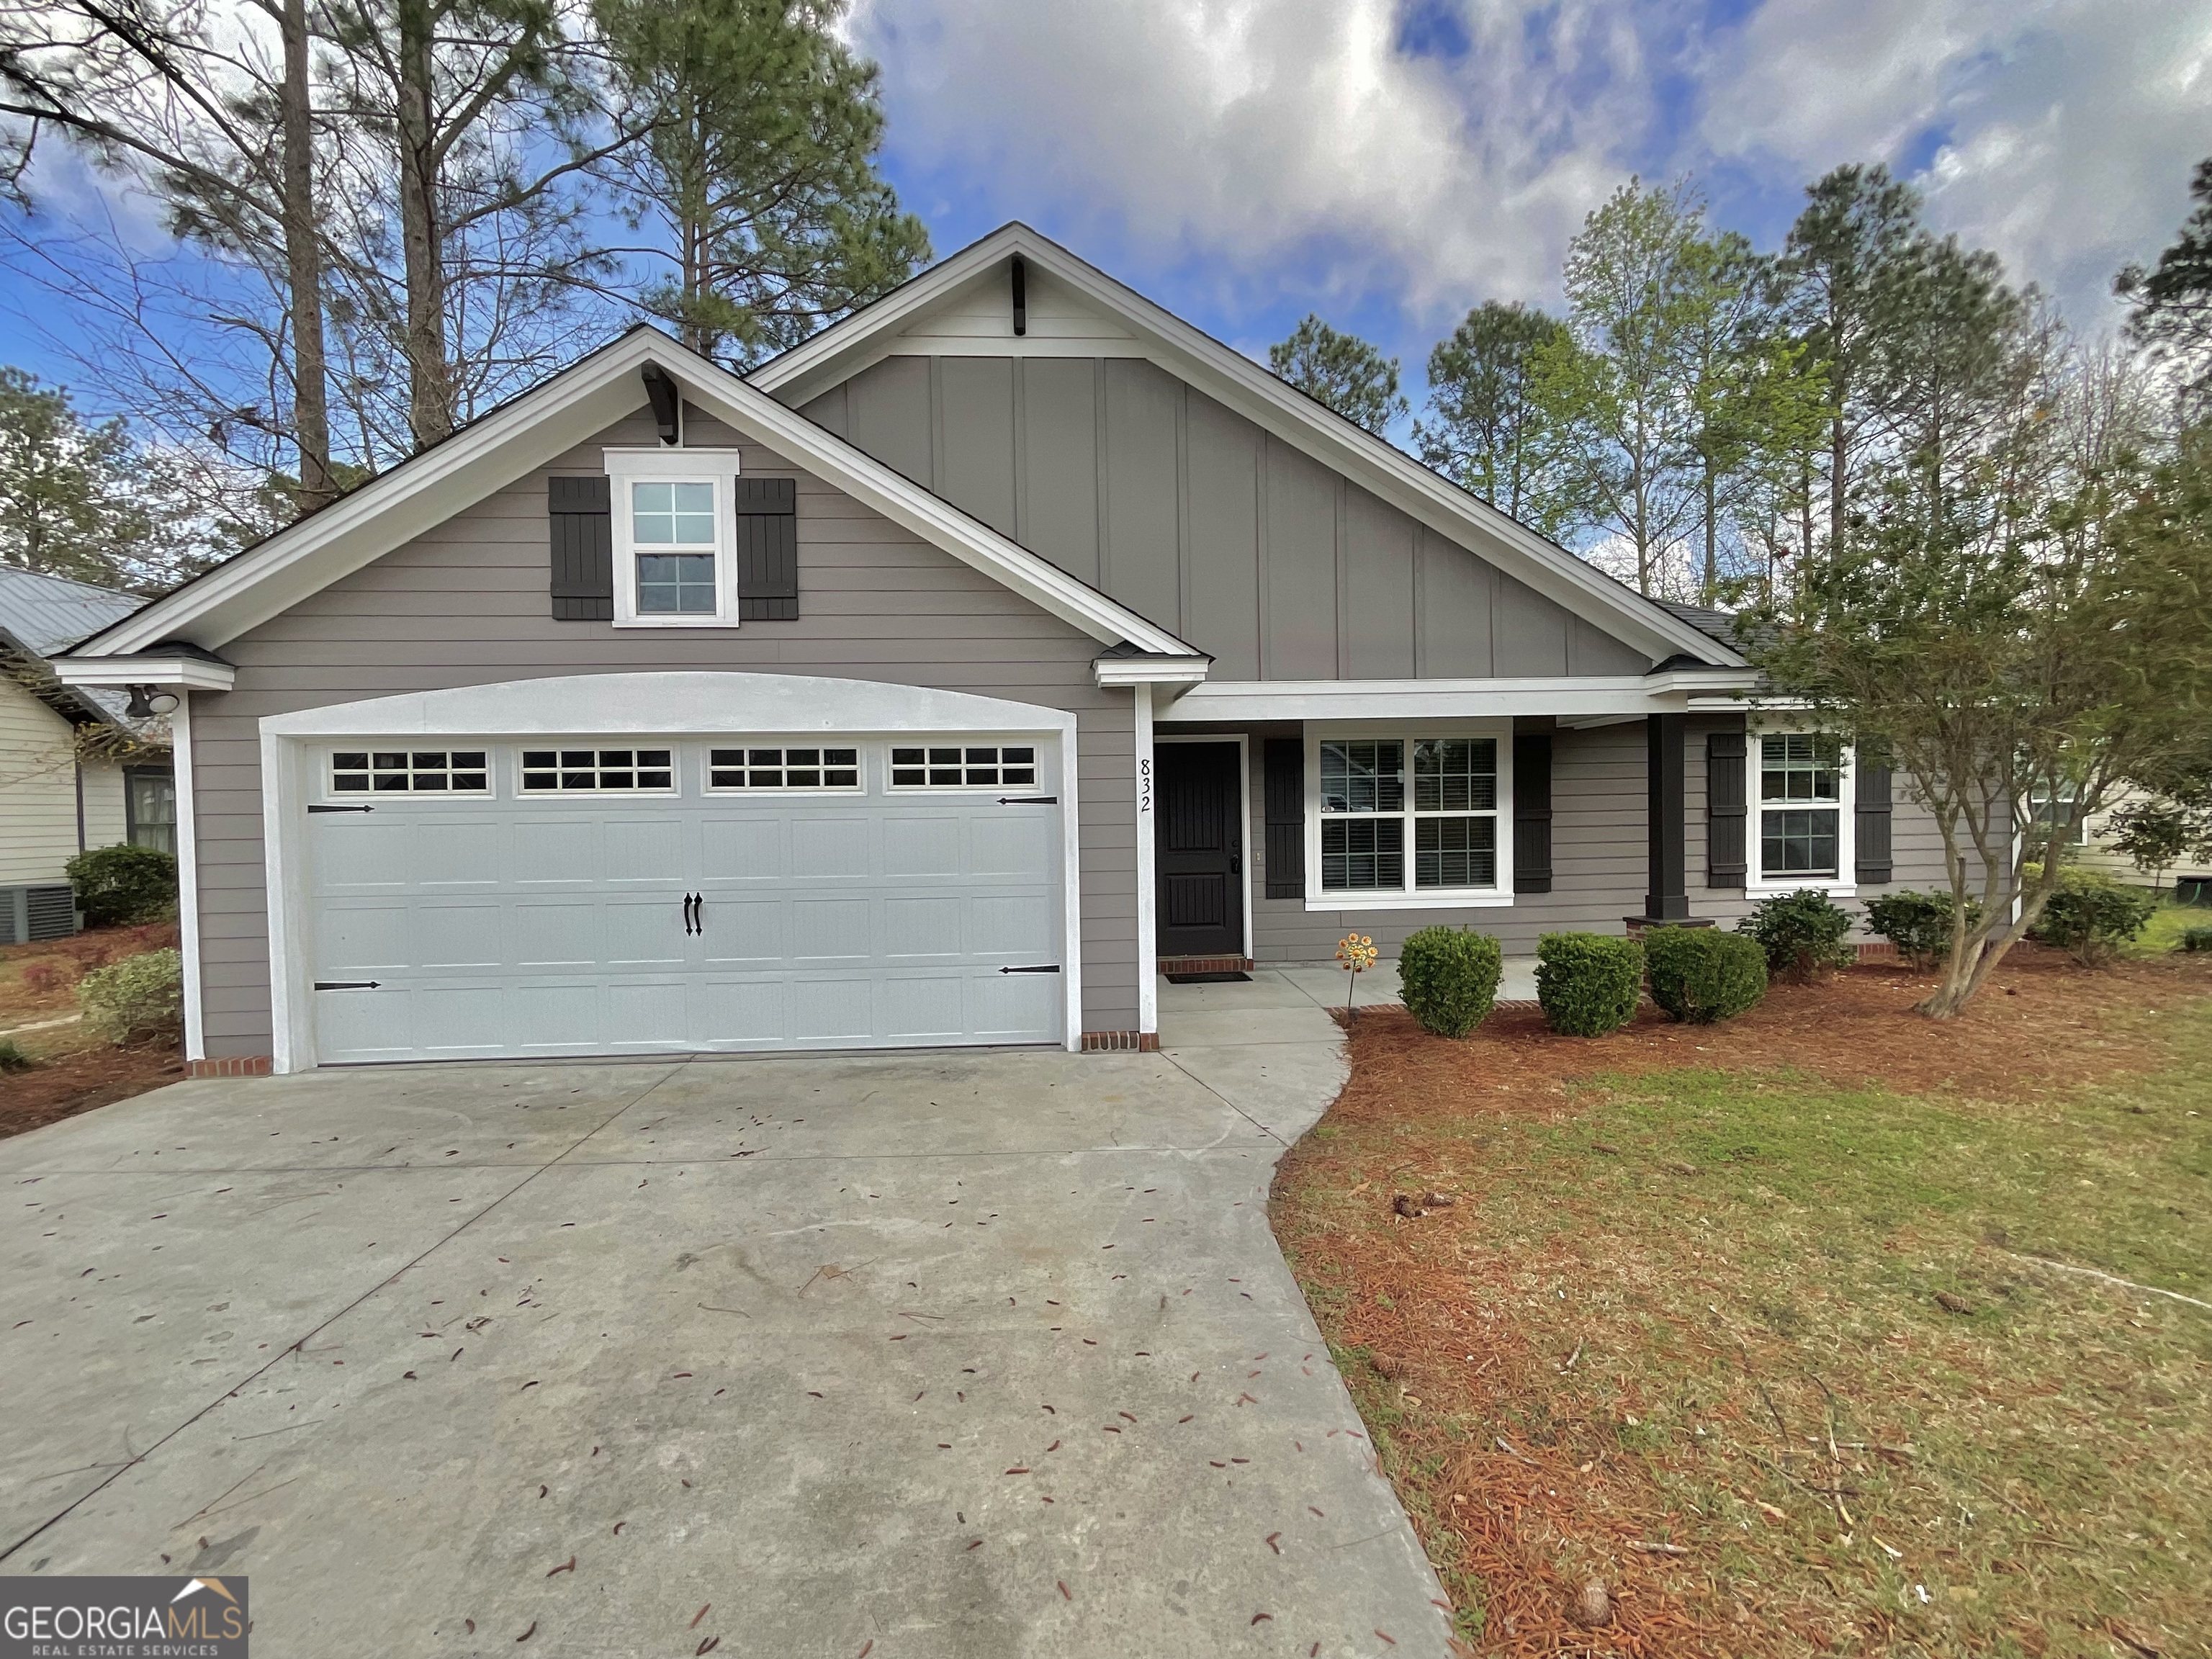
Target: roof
[42, 615]
[1230, 377]
[570, 407]
[1731, 627]
[45, 615]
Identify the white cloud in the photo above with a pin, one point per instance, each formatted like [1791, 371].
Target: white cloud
[1265, 150]
[2068, 128]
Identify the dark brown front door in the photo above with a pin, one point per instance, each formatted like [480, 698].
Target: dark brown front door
[1199, 846]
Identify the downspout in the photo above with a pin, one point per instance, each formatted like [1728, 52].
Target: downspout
[78, 762]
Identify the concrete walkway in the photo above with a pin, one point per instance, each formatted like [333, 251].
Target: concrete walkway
[957, 1354]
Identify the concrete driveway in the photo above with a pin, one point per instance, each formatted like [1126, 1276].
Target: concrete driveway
[961, 1354]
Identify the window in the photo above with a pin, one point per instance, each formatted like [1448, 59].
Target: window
[784, 768]
[1450, 817]
[1801, 779]
[675, 563]
[2047, 805]
[601, 771]
[149, 804]
[410, 771]
[963, 766]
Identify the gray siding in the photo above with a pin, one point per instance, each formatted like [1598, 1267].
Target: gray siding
[1598, 855]
[467, 603]
[1189, 514]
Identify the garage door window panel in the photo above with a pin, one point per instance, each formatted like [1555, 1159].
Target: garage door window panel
[410, 771]
[598, 771]
[963, 766]
[785, 769]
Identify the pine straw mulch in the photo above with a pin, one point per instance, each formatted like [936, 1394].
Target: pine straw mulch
[74, 1070]
[1431, 1330]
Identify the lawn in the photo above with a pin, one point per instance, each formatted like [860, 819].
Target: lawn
[1759, 1325]
[72, 1070]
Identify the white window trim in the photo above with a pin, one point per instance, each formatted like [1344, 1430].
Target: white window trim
[863, 756]
[976, 740]
[715, 467]
[1757, 883]
[327, 781]
[513, 753]
[1439, 898]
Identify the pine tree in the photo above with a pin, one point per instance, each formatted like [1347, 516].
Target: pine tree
[1488, 431]
[1341, 370]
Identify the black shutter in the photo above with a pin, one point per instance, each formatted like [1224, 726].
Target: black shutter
[1532, 813]
[1285, 769]
[1873, 858]
[768, 550]
[583, 572]
[1726, 816]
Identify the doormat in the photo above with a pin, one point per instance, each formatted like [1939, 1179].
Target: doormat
[1206, 979]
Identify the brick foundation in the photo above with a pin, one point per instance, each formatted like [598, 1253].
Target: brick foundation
[1206, 964]
[1120, 1042]
[231, 1065]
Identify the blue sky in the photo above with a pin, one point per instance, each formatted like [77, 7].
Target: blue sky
[1389, 163]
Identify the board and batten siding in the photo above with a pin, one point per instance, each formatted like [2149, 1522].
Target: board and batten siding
[467, 603]
[1130, 479]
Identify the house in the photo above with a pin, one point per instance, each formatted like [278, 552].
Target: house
[2092, 834]
[59, 796]
[932, 685]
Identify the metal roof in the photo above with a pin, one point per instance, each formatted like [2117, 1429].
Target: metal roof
[48, 614]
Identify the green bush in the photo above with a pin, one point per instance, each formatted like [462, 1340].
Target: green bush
[1801, 932]
[1588, 982]
[125, 885]
[1448, 978]
[2196, 938]
[140, 996]
[1917, 924]
[2091, 915]
[1700, 975]
[12, 1058]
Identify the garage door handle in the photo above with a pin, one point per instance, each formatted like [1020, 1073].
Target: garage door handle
[342, 809]
[346, 984]
[1049, 968]
[1028, 801]
[692, 922]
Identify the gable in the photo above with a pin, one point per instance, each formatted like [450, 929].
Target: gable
[1136, 482]
[960, 307]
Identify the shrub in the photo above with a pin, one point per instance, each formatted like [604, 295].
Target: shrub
[140, 996]
[1917, 924]
[1801, 932]
[2091, 915]
[2196, 938]
[12, 1057]
[1448, 978]
[1700, 975]
[1588, 982]
[123, 885]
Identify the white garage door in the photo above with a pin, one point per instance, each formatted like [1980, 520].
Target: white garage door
[519, 899]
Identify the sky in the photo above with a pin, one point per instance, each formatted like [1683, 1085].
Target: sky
[1391, 163]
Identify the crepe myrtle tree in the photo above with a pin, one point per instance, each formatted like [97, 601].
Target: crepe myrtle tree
[1999, 651]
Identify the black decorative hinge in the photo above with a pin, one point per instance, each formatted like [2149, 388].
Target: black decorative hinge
[1049, 968]
[1028, 801]
[346, 984]
[342, 809]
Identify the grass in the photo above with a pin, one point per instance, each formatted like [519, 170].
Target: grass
[1804, 1335]
[2167, 924]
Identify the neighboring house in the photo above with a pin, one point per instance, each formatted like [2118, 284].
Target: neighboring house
[2190, 881]
[931, 685]
[54, 804]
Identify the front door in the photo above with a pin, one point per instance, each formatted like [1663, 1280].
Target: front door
[1198, 848]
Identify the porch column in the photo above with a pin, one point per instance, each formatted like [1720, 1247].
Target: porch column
[1148, 950]
[1668, 898]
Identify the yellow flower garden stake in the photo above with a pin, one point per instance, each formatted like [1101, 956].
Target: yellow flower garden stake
[1358, 953]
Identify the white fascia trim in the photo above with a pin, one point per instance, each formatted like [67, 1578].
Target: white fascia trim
[570, 408]
[1150, 671]
[1231, 378]
[180, 672]
[676, 703]
[1363, 700]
